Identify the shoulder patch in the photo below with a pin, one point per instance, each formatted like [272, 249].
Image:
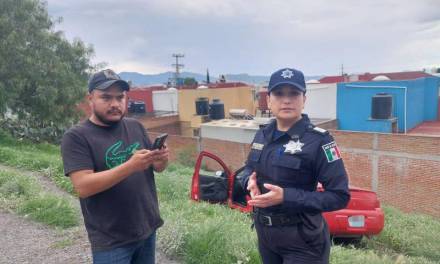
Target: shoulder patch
[331, 152]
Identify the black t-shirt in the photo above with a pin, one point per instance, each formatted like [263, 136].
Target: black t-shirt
[129, 210]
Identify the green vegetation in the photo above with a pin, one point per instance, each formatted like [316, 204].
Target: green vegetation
[210, 233]
[409, 234]
[22, 193]
[43, 157]
[51, 210]
[187, 156]
[42, 75]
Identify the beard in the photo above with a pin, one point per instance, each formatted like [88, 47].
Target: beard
[106, 121]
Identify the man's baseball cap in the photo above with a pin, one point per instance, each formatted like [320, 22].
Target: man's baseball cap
[287, 76]
[106, 78]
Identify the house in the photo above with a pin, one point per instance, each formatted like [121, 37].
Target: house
[387, 106]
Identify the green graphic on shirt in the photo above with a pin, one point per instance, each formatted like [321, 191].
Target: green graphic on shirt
[115, 157]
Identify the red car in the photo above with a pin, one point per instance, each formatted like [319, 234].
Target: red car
[213, 182]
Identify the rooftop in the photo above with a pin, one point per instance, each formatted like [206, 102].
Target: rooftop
[427, 128]
[366, 77]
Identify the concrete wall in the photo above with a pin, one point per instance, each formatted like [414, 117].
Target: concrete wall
[321, 100]
[237, 97]
[165, 100]
[433, 85]
[413, 103]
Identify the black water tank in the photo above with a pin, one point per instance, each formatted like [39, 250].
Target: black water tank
[202, 106]
[216, 110]
[381, 106]
[139, 107]
[130, 106]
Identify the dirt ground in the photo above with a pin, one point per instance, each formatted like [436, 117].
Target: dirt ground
[25, 241]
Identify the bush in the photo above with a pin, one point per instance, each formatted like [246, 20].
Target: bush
[36, 132]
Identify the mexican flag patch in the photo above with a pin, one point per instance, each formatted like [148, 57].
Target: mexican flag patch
[331, 151]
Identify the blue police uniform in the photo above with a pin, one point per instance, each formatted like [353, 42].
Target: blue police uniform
[296, 160]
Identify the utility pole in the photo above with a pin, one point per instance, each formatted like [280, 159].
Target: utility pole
[178, 67]
[342, 69]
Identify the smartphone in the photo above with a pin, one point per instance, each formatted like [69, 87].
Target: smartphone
[159, 141]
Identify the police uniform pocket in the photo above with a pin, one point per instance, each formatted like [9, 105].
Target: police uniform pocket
[287, 168]
[288, 161]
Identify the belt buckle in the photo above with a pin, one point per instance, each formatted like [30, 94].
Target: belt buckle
[269, 220]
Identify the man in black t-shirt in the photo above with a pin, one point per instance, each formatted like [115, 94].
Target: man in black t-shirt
[110, 163]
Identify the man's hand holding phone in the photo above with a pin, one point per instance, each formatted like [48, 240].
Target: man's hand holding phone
[161, 153]
[159, 142]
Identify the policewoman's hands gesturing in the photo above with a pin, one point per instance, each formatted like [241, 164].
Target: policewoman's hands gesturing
[252, 186]
[271, 198]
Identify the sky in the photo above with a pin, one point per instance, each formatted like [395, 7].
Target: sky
[256, 36]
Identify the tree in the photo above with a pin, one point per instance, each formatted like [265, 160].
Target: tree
[189, 81]
[42, 75]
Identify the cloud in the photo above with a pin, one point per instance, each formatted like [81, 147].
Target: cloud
[256, 36]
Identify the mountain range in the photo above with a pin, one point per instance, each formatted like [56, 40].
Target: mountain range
[139, 79]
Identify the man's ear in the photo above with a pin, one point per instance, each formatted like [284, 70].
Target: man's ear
[90, 97]
[268, 100]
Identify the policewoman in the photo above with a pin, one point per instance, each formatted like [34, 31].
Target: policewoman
[287, 160]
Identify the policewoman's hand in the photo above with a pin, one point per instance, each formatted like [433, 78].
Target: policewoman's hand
[271, 198]
[252, 186]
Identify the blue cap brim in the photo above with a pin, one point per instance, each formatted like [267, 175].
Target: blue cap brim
[291, 84]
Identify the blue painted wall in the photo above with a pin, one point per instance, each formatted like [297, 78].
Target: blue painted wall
[353, 108]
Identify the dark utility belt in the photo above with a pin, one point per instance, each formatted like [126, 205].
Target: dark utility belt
[276, 220]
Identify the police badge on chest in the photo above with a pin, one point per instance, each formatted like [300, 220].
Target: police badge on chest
[293, 146]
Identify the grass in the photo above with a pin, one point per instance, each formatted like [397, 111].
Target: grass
[22, 194]
[44, 158]
[209, 233]
[51, 210]
[409, 234]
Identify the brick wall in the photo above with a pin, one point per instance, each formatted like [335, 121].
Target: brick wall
[180, 144]
[404, 170]
[153, 122]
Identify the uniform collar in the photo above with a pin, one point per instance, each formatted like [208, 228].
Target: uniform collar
[296, 131]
